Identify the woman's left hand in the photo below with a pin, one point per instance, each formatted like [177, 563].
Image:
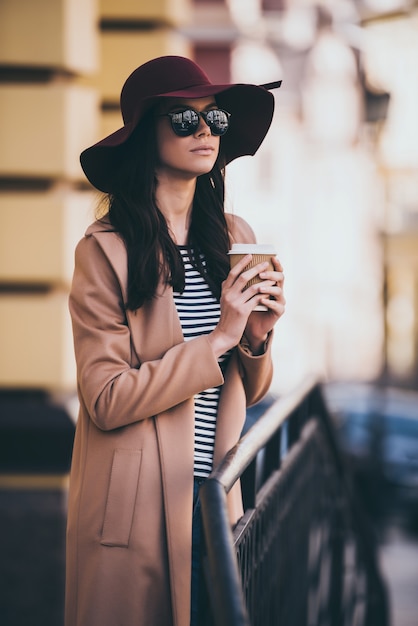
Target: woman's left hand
[260, 323]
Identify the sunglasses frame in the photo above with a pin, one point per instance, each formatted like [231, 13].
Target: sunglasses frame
[192, 127]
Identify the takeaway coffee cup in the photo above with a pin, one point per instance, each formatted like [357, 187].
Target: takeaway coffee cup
[260, 252]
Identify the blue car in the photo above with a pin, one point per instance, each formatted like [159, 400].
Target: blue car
[377, 428]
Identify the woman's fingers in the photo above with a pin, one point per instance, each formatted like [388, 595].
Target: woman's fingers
[238, 269]
[238, 274]
[266, 290]
[277, 265]
[238, 294]
[239, 301]
[275, 275]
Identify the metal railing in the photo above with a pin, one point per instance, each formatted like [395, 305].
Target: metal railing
[303, 554]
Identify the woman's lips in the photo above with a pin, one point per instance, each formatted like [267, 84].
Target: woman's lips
[204, 150]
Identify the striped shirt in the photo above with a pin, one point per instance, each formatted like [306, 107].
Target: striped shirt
[199, 313]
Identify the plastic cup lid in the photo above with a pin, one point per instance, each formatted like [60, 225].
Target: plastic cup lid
[252, 248]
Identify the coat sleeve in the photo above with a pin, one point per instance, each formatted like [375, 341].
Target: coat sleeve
[115, 393]
[256, 371]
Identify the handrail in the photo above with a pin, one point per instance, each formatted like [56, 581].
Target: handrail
[240, 456]
[304, 414]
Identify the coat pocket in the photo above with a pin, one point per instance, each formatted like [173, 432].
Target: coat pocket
[121, 497]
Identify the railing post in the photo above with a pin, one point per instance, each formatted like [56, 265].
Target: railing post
[249, 485]
[226, 595]
[272, 457]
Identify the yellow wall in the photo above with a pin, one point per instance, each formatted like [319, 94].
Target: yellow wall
[60, 60]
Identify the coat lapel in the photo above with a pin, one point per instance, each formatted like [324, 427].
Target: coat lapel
[155, 327]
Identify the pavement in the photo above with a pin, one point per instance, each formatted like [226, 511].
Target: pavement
[398, 556]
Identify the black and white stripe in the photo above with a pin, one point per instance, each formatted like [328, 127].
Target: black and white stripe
[199, 313]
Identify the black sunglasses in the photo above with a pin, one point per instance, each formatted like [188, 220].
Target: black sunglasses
[186, 122]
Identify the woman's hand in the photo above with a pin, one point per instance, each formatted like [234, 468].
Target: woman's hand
[260, 323]
[238, 303]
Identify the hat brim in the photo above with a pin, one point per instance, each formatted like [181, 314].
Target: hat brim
[251, 108]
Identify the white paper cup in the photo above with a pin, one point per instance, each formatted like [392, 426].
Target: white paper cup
[260, 252]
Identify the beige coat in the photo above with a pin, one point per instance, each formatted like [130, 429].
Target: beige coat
[130, 500]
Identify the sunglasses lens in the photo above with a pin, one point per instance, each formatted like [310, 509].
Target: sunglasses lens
[218, 121]
[184, 123]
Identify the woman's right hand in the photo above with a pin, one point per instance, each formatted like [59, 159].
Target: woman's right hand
[236, 304]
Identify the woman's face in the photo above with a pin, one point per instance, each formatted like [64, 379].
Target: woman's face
[185, 157]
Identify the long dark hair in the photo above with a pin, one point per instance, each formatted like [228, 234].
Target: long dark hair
[134, 214]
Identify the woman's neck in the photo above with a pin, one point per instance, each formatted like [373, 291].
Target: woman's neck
[175, 201]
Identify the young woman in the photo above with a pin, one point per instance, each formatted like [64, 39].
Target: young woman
[169, 351]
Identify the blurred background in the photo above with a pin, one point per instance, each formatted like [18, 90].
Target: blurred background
[334, 187]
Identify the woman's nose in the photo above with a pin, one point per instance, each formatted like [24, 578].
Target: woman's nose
[203, 129]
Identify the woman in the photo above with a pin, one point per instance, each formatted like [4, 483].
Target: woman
[166, 343]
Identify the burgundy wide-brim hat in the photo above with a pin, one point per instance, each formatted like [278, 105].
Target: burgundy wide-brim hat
[251, 108]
